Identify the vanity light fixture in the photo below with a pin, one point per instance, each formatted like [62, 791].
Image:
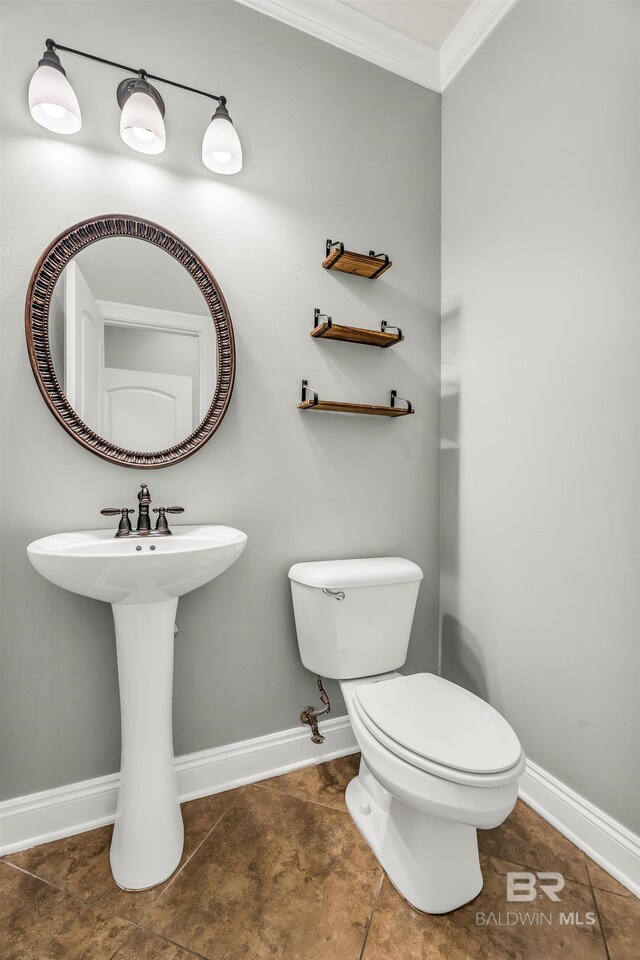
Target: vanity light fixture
[52, 102]
[54, 105]
[142, 118]
[221, 150]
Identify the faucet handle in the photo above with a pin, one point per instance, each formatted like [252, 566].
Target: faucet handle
[124, 527]
[162, 526]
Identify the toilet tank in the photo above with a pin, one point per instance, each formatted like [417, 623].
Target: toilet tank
[353, 617]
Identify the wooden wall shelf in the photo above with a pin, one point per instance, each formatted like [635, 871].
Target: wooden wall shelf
[371, 266]
[340, 406]
[325, 329]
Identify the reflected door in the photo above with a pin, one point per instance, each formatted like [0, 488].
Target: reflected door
[149, 411]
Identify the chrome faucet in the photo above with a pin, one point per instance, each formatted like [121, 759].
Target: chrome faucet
[143, 526]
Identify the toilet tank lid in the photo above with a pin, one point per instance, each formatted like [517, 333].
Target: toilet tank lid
[368, 572]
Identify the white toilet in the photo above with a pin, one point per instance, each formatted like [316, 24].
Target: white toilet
[437, 761]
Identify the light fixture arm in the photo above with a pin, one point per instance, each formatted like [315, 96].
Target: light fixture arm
[52, 45]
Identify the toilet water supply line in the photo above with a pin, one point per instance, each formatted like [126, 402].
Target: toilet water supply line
[310, 714]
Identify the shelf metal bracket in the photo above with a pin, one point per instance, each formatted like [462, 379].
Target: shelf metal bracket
[334, 243]
[394, 397]
[317, 317]
[384, 263]
[307, 389]
[385, 327]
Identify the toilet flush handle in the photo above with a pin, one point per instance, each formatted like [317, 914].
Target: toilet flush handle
[336, 594]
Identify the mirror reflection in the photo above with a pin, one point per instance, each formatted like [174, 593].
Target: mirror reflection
[133, 344]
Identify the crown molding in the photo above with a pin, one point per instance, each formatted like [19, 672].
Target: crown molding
[479, 21]
[350, 30]
[346, 28]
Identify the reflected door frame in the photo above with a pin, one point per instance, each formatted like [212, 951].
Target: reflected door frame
[83, 347]
[136, 317]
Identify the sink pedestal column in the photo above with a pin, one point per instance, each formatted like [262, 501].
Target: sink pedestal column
[148, 834]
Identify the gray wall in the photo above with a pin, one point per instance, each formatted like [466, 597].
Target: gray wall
[333, 147]
[540, 535]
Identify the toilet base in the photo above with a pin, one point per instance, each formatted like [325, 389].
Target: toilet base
[432, 862]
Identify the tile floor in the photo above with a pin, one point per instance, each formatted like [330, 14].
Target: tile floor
[277, 870]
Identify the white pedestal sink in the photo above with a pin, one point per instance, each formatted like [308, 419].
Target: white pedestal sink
[142, 579]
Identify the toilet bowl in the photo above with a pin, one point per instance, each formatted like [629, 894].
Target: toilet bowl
[420, 817]
[437, 762]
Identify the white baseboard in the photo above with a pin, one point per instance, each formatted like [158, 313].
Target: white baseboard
[64, 811]
[612, 846]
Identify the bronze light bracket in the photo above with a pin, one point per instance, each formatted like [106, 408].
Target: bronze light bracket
[310, 714]
[139, 72]
[139, 84]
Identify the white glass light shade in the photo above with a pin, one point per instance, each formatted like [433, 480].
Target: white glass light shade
[221, 150]
[52, 102]
[141, 124]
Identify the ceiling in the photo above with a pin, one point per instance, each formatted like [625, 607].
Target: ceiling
[427, 41]
[430, 21]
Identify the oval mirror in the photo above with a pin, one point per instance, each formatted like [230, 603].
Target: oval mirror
[130, 341]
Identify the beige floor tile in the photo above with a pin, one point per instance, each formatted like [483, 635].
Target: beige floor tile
[80, 864]
[322, 783]
[602, 880]
[527, 839]
[398, 932]
[141, 945]
[278, 878]
[621, 921]
[40, 922]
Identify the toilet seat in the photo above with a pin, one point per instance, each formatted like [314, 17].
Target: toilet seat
[440, 728]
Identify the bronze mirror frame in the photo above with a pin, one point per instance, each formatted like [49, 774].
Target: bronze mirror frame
[43, 280]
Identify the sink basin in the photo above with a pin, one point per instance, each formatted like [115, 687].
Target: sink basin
[136, 570]
[142, 578]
